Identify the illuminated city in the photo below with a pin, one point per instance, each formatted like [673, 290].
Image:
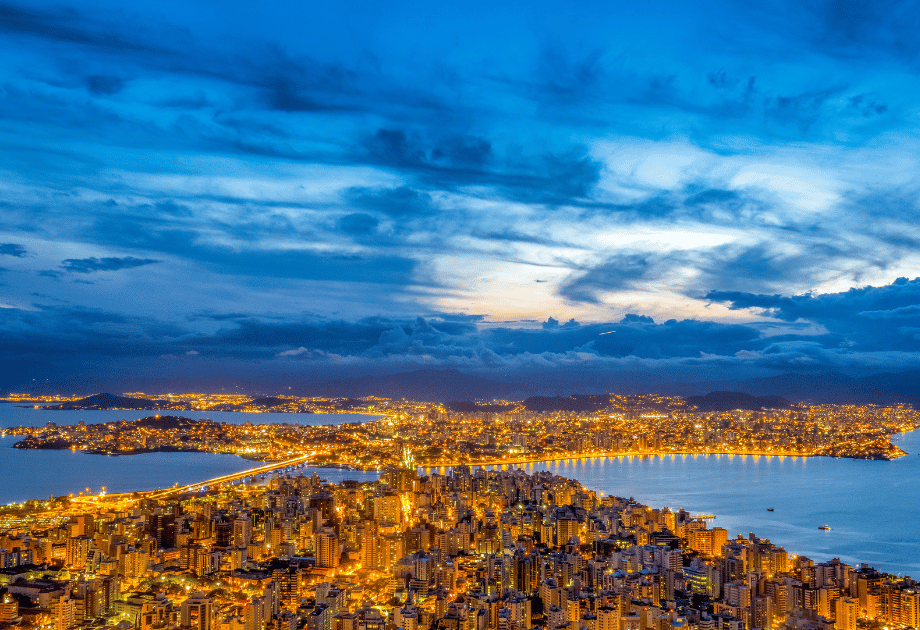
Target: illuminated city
[472, 548]
[453, 535]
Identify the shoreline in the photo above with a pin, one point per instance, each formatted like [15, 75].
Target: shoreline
[485, 464]
[745, 521]
[650, 454]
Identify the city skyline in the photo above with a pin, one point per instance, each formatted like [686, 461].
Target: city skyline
[522, 191]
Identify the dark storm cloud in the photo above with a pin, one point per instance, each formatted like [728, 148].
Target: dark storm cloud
[67, 25]
[246, 260]
[870, 318]
[56, 333]
[278, 80]
[358, 223]
[93, 265]
[396, 202]
[102, 84]
[103, 333]
[12, 249]
[620, 271]
[635, 336]
[848, 28]
[900, 294]
[462, 160]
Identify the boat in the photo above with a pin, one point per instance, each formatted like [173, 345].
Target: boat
[825, 527]
[769, 509]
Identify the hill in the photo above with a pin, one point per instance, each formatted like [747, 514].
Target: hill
[729, 401]
[575, 402]
[111, 401]
[422, 385]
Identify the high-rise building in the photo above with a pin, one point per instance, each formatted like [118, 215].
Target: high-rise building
[242, 531]
[289, 590]
[910, 607]
[762, 612]
[196, 612]
[327, 548]
[77, 550]
[388, 508]
[846, 610]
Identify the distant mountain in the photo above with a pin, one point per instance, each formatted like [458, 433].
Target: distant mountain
[729, 401]
[468, 406]
[111, 401]
[826, 387]
[420, 385]
[575, 402]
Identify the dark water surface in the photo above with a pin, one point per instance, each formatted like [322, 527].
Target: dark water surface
[872, 507]
[26, 474]
[16, 415]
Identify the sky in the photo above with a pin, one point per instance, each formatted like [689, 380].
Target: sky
[290, 191]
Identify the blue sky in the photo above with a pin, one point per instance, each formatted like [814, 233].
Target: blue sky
[302, 190]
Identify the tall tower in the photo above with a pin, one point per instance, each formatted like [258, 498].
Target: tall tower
[327, 548]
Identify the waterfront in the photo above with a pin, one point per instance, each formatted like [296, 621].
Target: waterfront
[38, 474]
[866, 503]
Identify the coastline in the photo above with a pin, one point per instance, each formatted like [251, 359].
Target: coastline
[738, 490]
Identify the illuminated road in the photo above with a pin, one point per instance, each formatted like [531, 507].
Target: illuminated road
[216, 481]
[518, 461]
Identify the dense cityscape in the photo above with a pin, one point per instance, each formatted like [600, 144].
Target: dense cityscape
[468, 550]
[439, 541]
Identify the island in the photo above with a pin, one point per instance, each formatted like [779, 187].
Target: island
[499, 432]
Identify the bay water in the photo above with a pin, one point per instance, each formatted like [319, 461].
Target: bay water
[871, 507]
[20, 415]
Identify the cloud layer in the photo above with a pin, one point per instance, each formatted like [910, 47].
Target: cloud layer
[728, 189]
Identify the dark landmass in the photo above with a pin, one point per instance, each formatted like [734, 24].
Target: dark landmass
[53, 441]
[33, 442]
[420, 385]
[729, 401]
[575, 402]
[433, 385]
[39, 443]
[468, 406]
[265, 403]
[111, 401]
[438, 385]
[887, 388]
